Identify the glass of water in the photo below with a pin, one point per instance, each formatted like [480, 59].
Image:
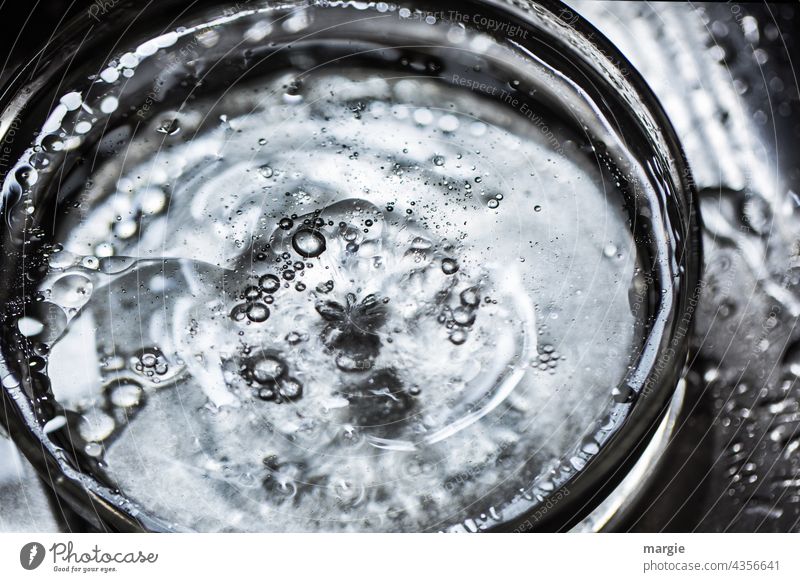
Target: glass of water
[340, 266]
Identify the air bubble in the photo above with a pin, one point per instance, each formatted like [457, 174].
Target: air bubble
[309, 243]
[96, 426]
[252, 293]
[126, 395]
[268, 370]
[71, 290]
[267, 394]
[239, 313]
[449, 266]
[257, 312]
[291, 389]
[458, 337]
[470, 297]
[464, 316]
[269, 283]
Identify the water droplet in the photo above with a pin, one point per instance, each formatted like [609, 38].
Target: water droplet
[10, 381]
[623, 394]
[29, 327]
[126, 229]
[26, 176]
[90, 262]
[169, 127]
[52, 143]
[93, 449]
[109, 104]
[791, 358]
[104, 250]
[590, 447]
[449, 123]
[293, 93]
[54, 424]
[423, 116]
[39, 161]
[109, 74]
[153, 201]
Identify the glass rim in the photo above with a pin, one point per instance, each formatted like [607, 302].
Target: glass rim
[657, 374]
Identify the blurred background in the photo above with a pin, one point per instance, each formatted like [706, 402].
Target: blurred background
[727, 75]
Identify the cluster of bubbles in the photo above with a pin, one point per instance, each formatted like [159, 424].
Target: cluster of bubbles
[548, 359]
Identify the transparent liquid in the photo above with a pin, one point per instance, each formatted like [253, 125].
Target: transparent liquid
[363, 301]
